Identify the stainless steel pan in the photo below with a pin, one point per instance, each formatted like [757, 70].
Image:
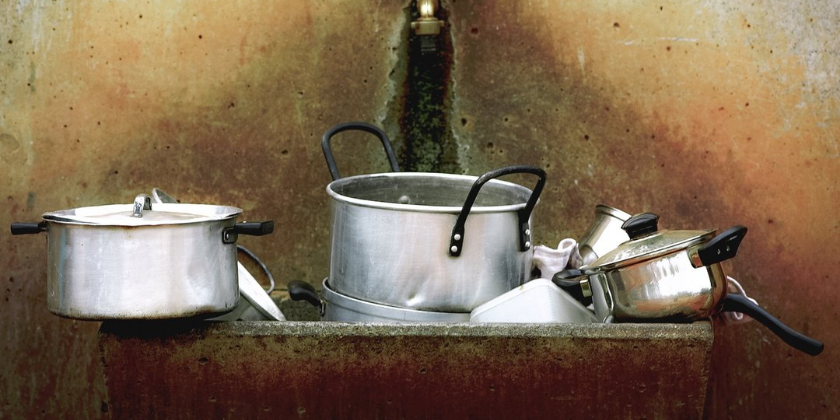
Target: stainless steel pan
[662, 274]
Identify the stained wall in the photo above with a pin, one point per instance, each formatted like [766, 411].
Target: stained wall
[708, 114]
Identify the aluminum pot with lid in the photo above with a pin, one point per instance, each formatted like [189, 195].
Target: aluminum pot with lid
[661, 274]
[428, 241]
[142, 260]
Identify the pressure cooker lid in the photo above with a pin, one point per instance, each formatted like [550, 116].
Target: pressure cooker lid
[647, 242]
[143, 213]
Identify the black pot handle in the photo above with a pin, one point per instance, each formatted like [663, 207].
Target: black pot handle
[572, 282]
[799, 341]
[721, 248]
[21, 228]
[456, 242]
[300, 290]
[231, 234]
[368, 128]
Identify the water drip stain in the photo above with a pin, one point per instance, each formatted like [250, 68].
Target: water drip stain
[427, 141]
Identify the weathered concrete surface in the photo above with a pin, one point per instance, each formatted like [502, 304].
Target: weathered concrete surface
[334, 370]
[213, 102]
[709, 113]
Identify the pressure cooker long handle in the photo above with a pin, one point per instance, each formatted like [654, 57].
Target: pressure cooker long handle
[368, 128]
[797, 340]
[456, 240]
[21, 228]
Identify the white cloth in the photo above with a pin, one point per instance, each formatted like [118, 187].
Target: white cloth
[733, 287]
[551, 261]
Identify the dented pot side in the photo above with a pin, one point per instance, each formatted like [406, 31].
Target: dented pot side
[142, 272]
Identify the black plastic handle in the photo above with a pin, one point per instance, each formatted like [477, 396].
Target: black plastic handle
[641, 225]
[231, 234]
[569, 281]
[25, 228]
[301, 290]
[368, 128]
[456, 242]
[797, 340]
[723, 246]
[254, 228]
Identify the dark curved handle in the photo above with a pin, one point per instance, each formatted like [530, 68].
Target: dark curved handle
[456, 242]
[723, 246]
[368, 128]
[641, 225]
[740, 303]
[569, 281]
[231, 234]
[300, 290]
[20, 228]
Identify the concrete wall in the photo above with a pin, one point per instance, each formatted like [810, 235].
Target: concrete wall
[708, 113]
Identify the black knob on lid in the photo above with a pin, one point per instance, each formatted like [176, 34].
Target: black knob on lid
[641, 225]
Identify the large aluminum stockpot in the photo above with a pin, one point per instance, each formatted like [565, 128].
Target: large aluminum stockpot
[429, 241]
[142, 261]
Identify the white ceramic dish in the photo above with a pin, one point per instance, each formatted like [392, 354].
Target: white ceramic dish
[538, 301]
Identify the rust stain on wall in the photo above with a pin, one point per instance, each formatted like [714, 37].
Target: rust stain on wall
[710, 114]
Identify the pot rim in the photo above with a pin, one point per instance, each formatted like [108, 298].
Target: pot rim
[693, 238]
[109, 215]
[393, 313]
[612, 212]
[423, 208]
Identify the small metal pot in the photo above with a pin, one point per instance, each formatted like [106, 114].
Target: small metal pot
[133, 261]
[660, 274]
[428, 241]
[604, 234]
[337, 307]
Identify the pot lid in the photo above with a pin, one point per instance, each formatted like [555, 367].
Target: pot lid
[143, 213]
[646, 242]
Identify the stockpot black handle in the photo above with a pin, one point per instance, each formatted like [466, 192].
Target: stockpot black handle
[368, 128]
[301, 290]
[456, 240]
[25, 228]
[231, 234]
[722, 247]
[797, 340]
